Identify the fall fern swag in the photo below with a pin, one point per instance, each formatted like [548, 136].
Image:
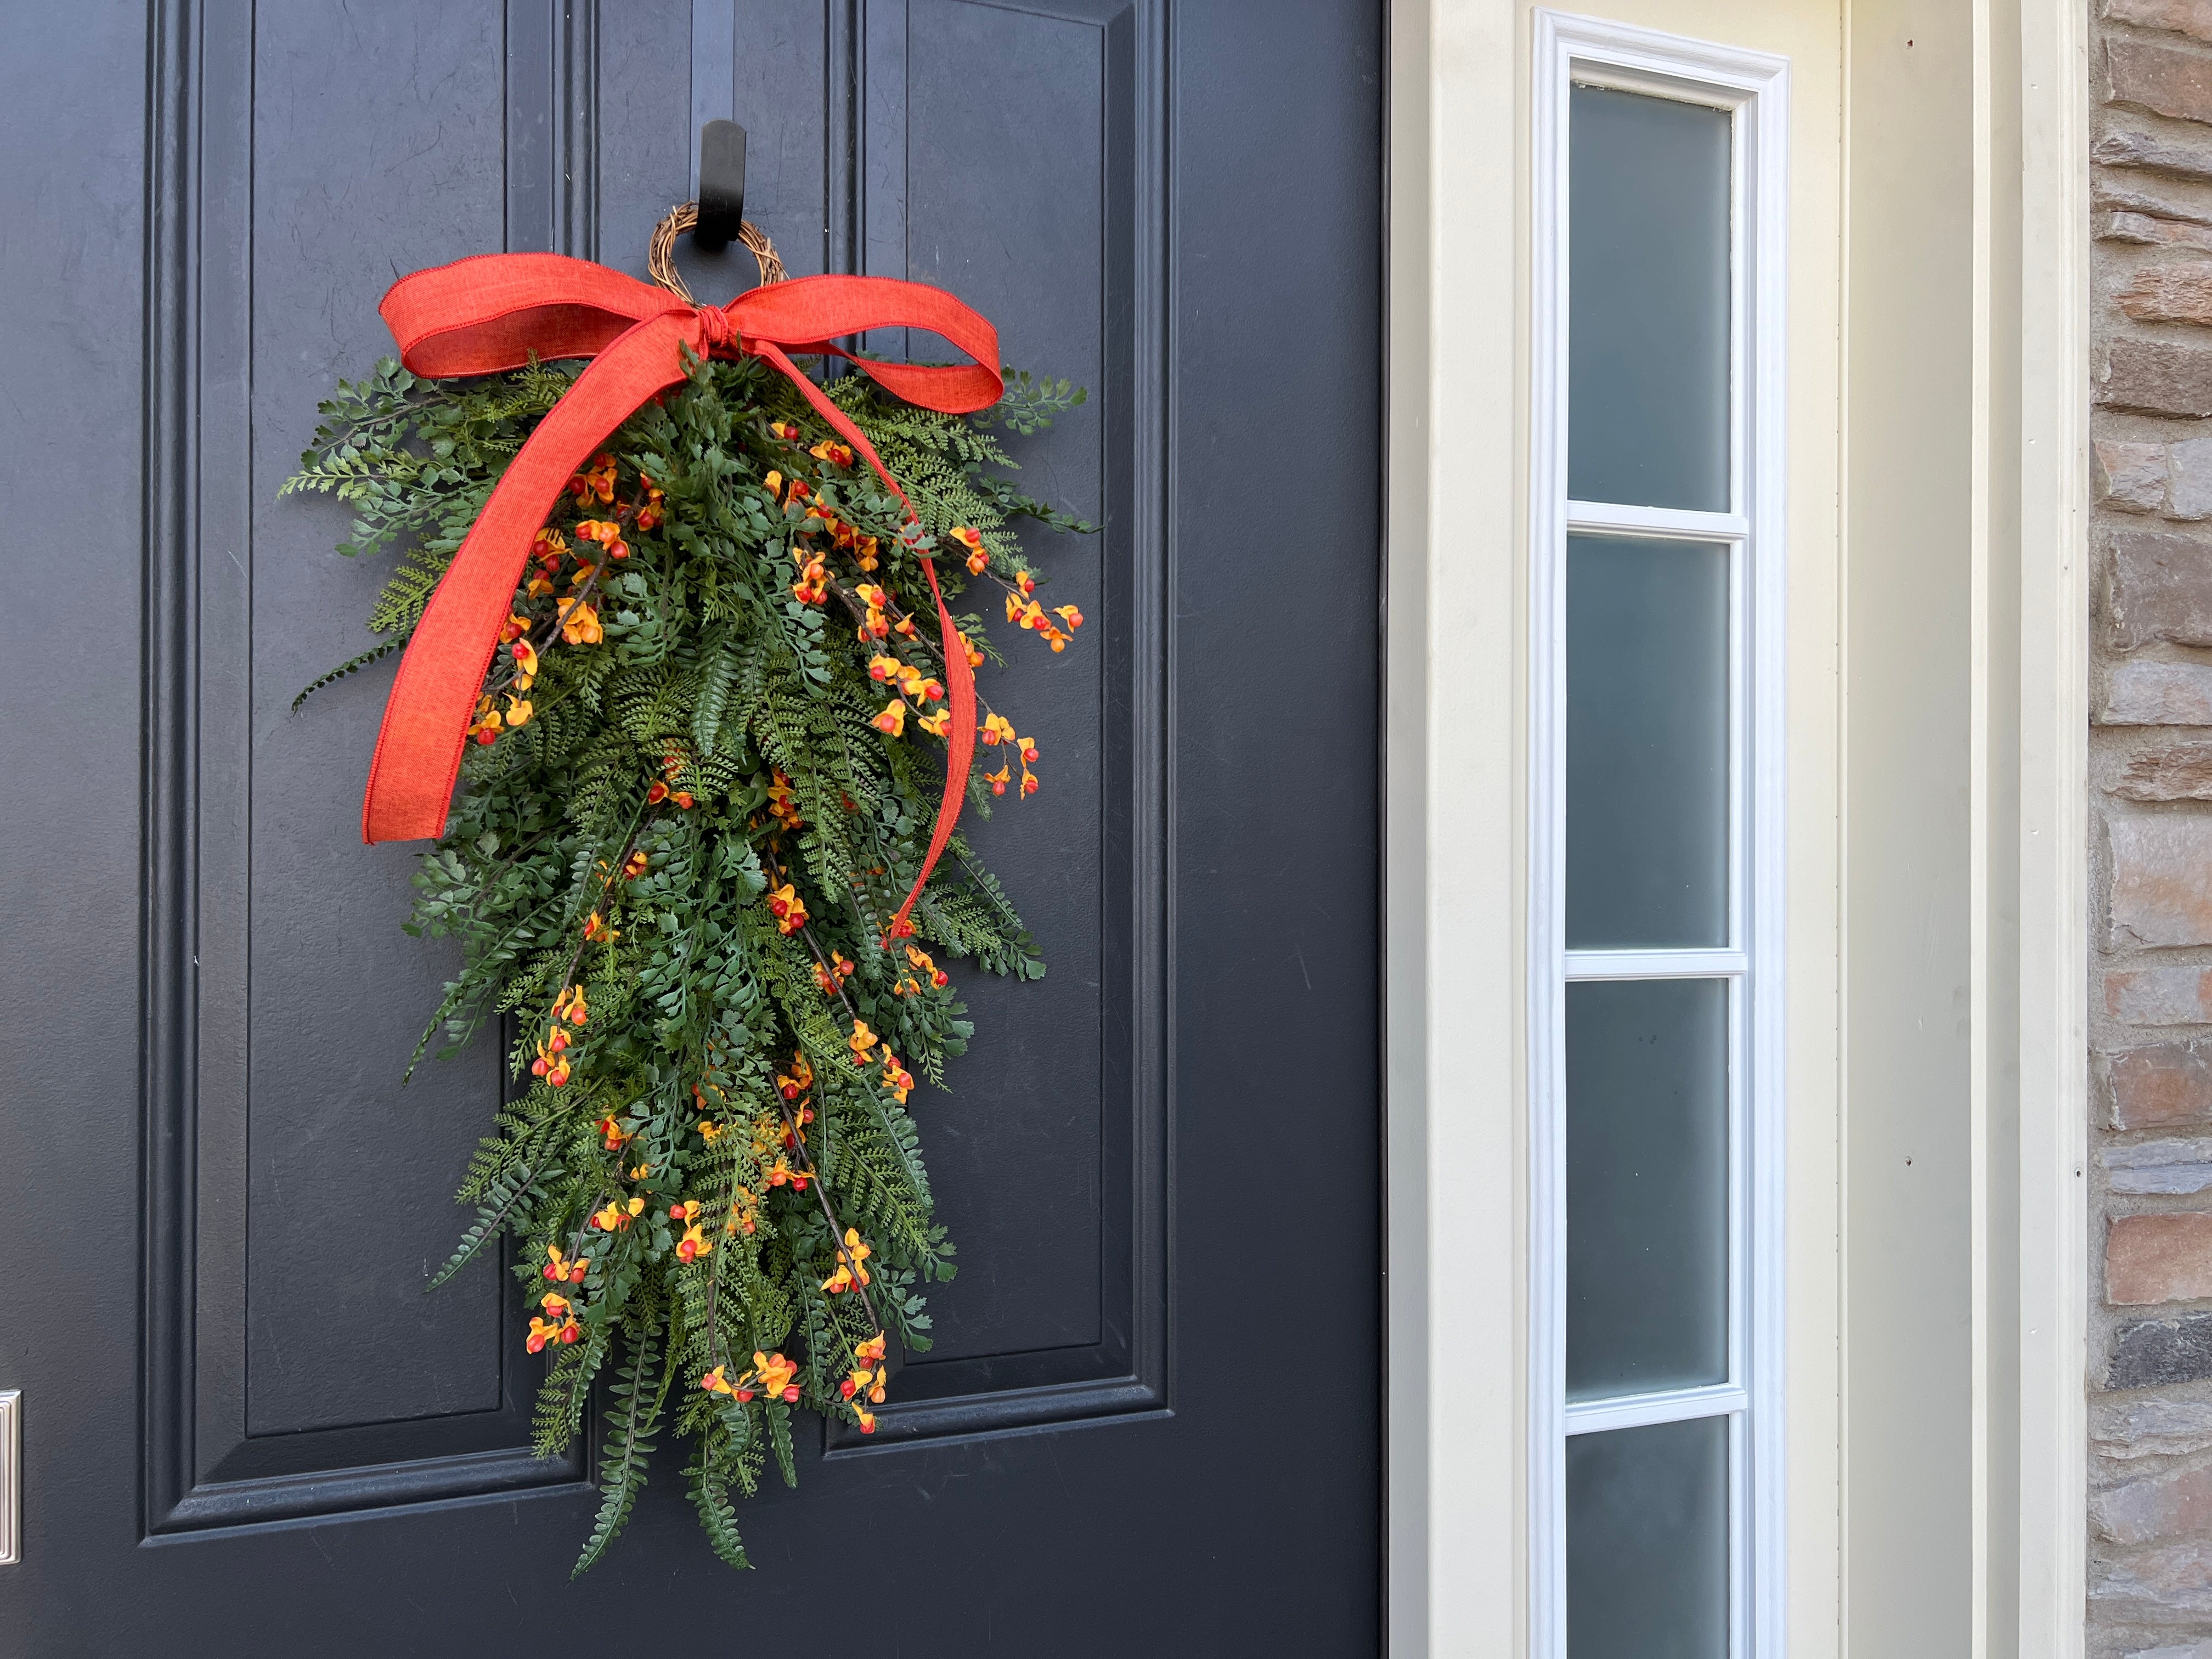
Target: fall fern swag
[697, 792]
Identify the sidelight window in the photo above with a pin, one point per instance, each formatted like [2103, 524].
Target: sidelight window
[1656, 921]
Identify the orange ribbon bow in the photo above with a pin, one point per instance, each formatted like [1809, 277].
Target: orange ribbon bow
[483, 315]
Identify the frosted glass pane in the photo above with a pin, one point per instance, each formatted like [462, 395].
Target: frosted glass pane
[1647, 1185]
[1647, 742]
[1648, 302]
[1647, 1542]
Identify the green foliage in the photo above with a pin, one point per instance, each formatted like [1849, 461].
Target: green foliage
[673, 867]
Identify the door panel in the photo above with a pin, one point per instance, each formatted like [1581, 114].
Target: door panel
[287, 1417]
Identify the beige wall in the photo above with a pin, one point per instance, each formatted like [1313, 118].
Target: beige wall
[1936, 843]
[1907, 1293]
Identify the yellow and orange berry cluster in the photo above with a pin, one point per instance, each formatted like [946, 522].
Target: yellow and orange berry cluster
[745, 1215]
[895, 1078]
[546, 553]
[812, 587]
[832, 978]
[569, 1011]
[780, 1171]
[782, 803]
[596, 482]
[616, 1217]
[852, 1256]
[663, 787]
[925, 968]
[771, 1376]
[693, 1244]
[776, 1141]
[1023, 608]
[796, 1082]
[997, 730]
[880, 618]
[576, 619]
[979, 559]
[867, 1379]
[788, 908]
[558, 1325]
[908, 682]
[491, 720]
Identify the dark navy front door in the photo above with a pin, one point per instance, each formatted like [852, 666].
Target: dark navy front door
[1152, 1423]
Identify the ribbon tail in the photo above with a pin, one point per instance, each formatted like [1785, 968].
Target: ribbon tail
[425, 720]
[959, 746]
[959, 678]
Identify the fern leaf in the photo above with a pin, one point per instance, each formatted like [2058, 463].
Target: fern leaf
[621, 1471]
[352, 665]
[505, 1194]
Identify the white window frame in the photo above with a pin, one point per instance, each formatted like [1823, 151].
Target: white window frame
[1754, 88]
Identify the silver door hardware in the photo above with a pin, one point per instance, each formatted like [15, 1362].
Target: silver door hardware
[11, 1477]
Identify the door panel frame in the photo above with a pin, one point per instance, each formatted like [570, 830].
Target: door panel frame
[202, 1468]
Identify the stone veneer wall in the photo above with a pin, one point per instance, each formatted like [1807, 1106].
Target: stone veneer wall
[2150, 768]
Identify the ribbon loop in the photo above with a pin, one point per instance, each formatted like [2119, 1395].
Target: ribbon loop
[499, 311]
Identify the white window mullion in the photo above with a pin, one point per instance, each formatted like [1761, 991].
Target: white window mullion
[1548, 529]
[1604, 516]
[1638, 1411]
[1654, 965]
[1765, 233]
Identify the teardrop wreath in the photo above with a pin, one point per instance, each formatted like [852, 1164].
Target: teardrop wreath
[697, 772]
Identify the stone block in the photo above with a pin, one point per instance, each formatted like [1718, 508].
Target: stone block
[2159, 78]
[2162, 880]
[2194, 1650]
[2159, 996]
[2157, 1353]
[2155, 1507]
[2189, 467]
[2162, 1086]
[2160, 1166]
[2130, 476]
[2149, 230]
[2169, 1585]
[2157, 1258]
[2151, 1427]
[2154, 153]
[2170, 293]
[2156, 377]
[2190, 17]
[2121, 198]
[2161, 588]
[2159, 694]
[2178, 771]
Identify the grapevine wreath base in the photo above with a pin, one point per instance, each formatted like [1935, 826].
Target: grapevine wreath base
[704, 767]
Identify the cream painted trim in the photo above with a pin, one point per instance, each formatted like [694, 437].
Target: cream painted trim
[2053, 834]
[1457, 1561]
